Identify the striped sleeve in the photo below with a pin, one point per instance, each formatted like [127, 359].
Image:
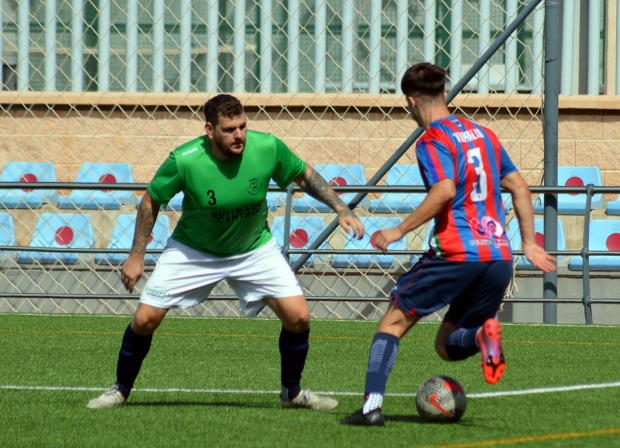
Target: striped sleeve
[435, 160]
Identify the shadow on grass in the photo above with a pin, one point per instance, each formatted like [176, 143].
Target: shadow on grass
[201, 403]
[404, 418]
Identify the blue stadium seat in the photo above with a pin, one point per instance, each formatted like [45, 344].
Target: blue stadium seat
[28, 172]
[95, 172]
[304, 231]
[275, 200]
[507, 201]
[613, 207]
[122, 238]
[175, 203]
[58, 230]
[7, 234]
[337, 175]
[604, 236]
[514, 235]
[573, 203]
[399, 202]
[372, 225]
[426, 245]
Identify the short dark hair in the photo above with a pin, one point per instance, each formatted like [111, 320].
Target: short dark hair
[424, 79]
[222, 104]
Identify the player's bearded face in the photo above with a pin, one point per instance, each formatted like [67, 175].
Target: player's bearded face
[229, 136]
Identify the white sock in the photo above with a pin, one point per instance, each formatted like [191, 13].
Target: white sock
[373, 402]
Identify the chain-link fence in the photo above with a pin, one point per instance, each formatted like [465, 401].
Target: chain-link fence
[100, 91]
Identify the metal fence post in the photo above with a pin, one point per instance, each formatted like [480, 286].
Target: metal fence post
[550, 133]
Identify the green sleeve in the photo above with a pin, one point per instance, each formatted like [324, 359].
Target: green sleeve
[288, 165]
[166, 182]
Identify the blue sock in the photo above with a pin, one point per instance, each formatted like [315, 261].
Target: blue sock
[461, 344]
[380, 362]
[134, 349]
[293, 352]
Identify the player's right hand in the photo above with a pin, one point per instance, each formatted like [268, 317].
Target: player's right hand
[539, 258]
[132, 271]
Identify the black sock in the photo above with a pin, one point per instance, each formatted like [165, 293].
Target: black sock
[293, 351]
[461, 344]
[134, 349]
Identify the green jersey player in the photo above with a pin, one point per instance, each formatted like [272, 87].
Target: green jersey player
[223, 234]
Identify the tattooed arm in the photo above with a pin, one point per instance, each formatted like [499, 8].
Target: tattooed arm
[313, 184]
[133, 268]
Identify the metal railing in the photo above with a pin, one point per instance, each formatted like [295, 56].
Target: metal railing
[585, 252]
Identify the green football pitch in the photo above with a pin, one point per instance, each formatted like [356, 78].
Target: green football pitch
[214, 382]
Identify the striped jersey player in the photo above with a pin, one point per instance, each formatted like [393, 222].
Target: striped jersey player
[469, 265]
[471, 226]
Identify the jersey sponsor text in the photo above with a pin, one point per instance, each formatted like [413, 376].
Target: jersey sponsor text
[235, 214]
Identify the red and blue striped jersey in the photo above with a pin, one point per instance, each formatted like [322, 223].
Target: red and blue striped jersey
[471, 226]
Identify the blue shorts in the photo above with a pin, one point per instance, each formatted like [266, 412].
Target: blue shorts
[474, 290]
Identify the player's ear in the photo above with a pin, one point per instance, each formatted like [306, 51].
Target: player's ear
[411, 103]
[209, 129]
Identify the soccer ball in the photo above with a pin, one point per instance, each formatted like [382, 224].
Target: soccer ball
[441, 399]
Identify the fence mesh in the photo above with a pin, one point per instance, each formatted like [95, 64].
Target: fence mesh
[102, 91]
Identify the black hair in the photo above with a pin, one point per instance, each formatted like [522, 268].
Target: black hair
[424, 79]
[222, 104]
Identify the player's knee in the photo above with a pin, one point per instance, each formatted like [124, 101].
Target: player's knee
[144, 324]
[298, 322]
[440, 348]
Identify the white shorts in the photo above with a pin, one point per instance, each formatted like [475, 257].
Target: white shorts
[184, 277]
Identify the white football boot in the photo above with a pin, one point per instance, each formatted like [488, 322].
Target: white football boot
[308, 400]
[109, 399]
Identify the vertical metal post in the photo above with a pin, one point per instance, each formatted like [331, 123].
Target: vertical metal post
[348, 46]
[587, 306]
[538, 24]
[266, 45]
[402, 42]
[617, 49]
[23, 45]
[239, 21]
[77, 45]
[185, 47]
[292, 52]
[374, 58]
[320, 45]
[456, 41]
[159, 40]
[50, 46]
[213, 21]
[104, 52]
[484, 38]
[131, 46]
[1, 45]
[568, 47]
[550, 112]
[430, 19]
[594, 38]
[511, 63]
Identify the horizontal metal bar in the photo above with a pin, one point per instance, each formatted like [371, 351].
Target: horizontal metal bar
[274, 188]
[80, 250]
[7, 295]
[290, 252]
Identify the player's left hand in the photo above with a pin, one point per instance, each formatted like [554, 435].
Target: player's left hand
[539, 258]
[387, 236]
[349, 221]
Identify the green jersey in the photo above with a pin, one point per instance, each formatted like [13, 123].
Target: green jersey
[224, 208]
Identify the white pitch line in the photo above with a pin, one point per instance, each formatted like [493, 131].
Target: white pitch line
[501, 393]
